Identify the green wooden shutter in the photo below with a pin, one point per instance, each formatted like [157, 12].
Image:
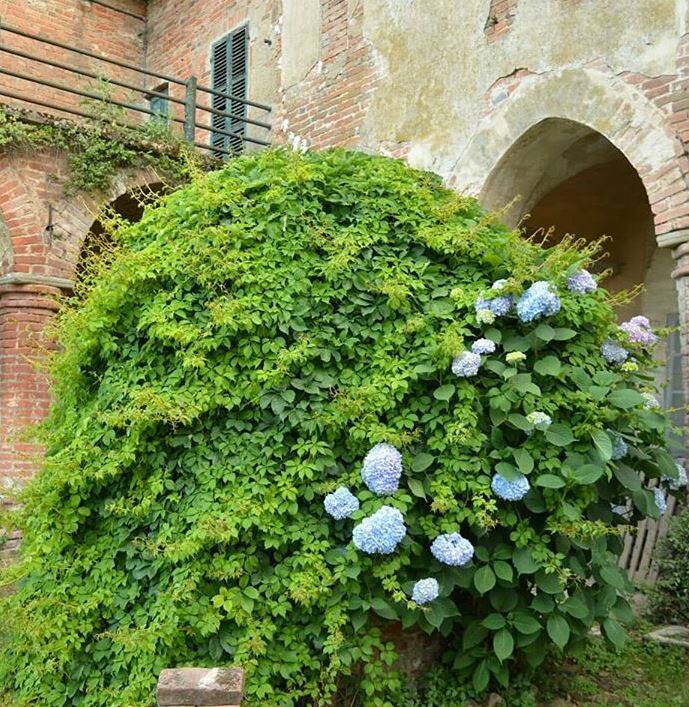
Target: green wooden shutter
[229, 70]
[674, 384]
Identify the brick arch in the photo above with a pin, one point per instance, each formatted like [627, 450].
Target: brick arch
[44, 226]
[602, 103]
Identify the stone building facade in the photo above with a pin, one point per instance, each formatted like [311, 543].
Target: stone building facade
[578, 107]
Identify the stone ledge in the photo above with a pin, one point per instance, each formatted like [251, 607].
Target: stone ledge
[200, 687]
[670, 635]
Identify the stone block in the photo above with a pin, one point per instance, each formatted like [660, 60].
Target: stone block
[200, 687]
[670, 635]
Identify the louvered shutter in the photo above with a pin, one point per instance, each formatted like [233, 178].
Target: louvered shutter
[229, 59]
[674, 384]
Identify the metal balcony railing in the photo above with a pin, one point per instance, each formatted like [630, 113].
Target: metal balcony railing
[188, 109]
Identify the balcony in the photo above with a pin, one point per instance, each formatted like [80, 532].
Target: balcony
[52, 77]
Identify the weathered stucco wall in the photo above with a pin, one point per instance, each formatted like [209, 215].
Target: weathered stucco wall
[432, 94]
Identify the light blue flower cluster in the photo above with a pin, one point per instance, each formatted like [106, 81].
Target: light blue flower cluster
[681, 480]
[619, 446]
[613, 352]
[538, 301]
[510, 490]
[381, 532]
[581, 282]
[660, 500]
[638, 331]
[452, 549]
[483, 346]
[620, 510]
[466, 364]
[425, 590]
[498, 306]
[540, 420]
[341, 504]
[382, 469]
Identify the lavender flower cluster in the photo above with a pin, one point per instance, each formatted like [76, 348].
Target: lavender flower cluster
[613, 352]
[466, 365]
[341, 504]
[382, 469]
[638, 331]
[582, 282]
[497, 306]
[381, 532]
[483, 346]
[513, 490]
[452, 549]
[538, 301]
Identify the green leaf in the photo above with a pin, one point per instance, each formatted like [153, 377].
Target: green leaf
[550, 481]
[559, 434]
[524, 461]
[625, 398]
[628, 477]
[563, 334]
[481, 677]
[445, 392]
[520, 422]
[543, 603]
[503, 570]
[614, 633]
[484, 579]
[493, 334]
[603, 443]
[558, 630]
[494, 621]
[545, 332]
[503, 644]
[382, 608]
[473, 635]
[548, 366]
[525, 623]
[422, 461]
[523, 560]
[548, 582]
[507, 470]
[613, 576]
[587, 474]
[575, 606]
[416, 487]
[666, 464]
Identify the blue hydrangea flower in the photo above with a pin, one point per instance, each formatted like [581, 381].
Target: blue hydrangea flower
[613, 352]
[620, 510]
[619, 447]
[498, 306]
[638, 331]
[582, 282]
[660, 500]
[452, 549]
[541, 420]
[341, 504]
[466, 364]
[540, 300]
[382, 469]
[681, 480]
[510, 490]
[425, 590]
[483, 346]
[381, 532]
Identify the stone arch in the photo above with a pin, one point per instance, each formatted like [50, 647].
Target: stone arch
[587, 98]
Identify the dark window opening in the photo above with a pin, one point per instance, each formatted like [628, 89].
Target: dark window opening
[160, 105]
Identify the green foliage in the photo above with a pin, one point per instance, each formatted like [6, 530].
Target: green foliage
[669, 599]
[255, 334]
[97, 148]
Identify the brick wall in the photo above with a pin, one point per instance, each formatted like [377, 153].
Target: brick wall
[500, 18]
[76, 23]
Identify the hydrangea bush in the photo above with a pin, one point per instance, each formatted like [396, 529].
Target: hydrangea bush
[312, 397]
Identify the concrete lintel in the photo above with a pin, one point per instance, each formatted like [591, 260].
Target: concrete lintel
[20, 278]
[673, 238]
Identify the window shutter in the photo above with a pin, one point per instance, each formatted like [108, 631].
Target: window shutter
[229, 69]
[674, 385]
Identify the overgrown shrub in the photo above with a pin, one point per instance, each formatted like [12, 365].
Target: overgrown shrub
[254, 337]
[669, 599]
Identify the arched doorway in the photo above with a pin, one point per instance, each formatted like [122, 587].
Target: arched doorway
[570, 179]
